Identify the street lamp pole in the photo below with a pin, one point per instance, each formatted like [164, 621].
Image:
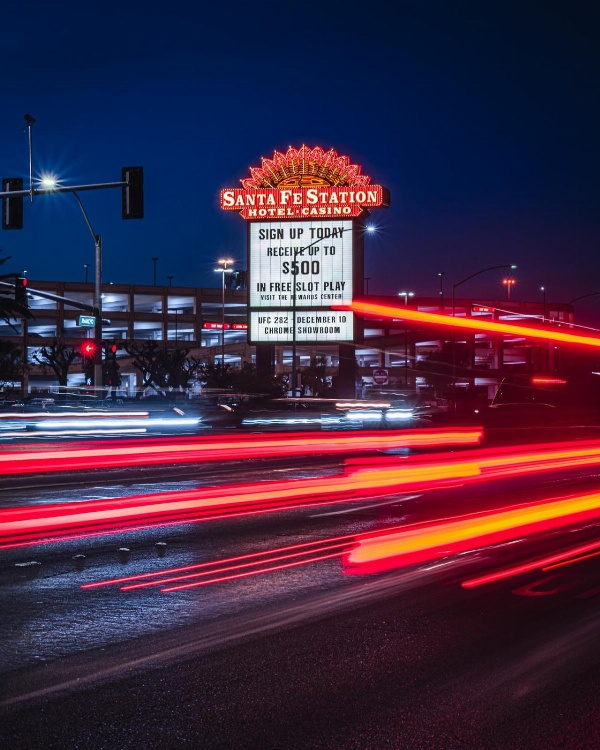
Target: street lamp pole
[223, 262]
[406, 295]
[454, 287]
[543, 291]
[441, 292]
[583, 296]
[86, 266]
[155, 261]
[298, 251]
[508, 283]
[472, 276]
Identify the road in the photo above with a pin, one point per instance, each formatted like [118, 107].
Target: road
[303, 656]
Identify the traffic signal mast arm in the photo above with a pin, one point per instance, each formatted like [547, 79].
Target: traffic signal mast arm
[132, 185]
[55, 298]
[59, 189]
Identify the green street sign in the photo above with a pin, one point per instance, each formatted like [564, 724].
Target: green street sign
[89, 321]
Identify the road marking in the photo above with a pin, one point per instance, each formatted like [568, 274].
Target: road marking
[365, 507]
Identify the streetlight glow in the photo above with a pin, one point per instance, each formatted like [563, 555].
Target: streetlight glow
[48, 181]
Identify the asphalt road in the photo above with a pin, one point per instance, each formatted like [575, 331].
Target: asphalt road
[305, 657]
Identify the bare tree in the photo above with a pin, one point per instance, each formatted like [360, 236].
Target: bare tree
[57, 357]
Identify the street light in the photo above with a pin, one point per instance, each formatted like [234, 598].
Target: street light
[86, 266]
[406, 295]
[583, 296]
[155, 261]
[441, 292]
[508, 283]
[543, 291]
[454, 288]
[483, 270]
[223, 262]
[50, 181]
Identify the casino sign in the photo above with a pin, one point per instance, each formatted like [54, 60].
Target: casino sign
[305, 212]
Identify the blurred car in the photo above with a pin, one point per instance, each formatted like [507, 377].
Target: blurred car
[545, 400]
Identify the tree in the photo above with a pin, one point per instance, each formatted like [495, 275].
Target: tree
[58, 357]
[314, 377]
[11, 363]
[247, 379]
[160, 368]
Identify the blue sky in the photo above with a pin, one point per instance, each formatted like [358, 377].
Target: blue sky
[480, 117]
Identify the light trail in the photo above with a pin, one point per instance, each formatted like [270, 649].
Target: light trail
[359, 480]
[156, 451]
[557, 560]
[227, 569]
[432, 541]
[469, 324]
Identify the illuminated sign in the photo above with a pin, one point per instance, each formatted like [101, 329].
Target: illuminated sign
[216, 326]
[239, 326]
[482, 309]
[300, 263]
[304, 208]
[88, 321]
[295, 203]
[311, 325]
[304, 183]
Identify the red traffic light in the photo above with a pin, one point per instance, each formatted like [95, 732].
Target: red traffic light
[88, 349]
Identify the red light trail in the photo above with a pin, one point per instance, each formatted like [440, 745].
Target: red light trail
[227, 569]
[360, 479]
[157, 451]
[470, 324]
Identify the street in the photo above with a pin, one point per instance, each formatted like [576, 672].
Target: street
[266, 641]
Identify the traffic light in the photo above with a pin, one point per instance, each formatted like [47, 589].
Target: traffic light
[133, 192]
[21, 292]
[88, 349]
[12, 207]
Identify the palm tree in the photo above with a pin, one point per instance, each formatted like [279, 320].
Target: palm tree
[9, 308]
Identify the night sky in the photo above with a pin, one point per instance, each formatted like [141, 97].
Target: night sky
[482, 118]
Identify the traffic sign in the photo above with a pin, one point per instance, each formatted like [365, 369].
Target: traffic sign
[88, 321]
[380, 376]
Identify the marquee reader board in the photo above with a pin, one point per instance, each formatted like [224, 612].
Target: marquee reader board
[301, 264]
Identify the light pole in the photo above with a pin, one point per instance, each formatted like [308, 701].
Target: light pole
[583, 296]
[170, 280]
[454, 288]
[176, 310]
[472, 276]
[223, 262]
[508, 283]
[86, 266]
[441, 292]
[543, 291]
[406, 295]
[155, 261]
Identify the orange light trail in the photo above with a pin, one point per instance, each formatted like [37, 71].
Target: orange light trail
[432, 541]
[379, 477]
[470, 324]
[125, 453]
